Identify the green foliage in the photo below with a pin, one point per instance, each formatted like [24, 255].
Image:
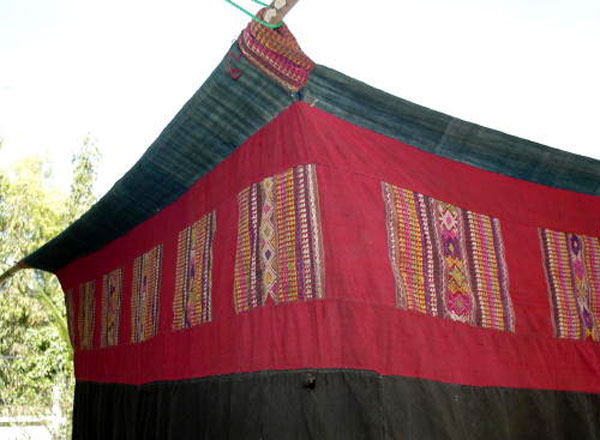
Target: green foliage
[35, 352]
[81, 196]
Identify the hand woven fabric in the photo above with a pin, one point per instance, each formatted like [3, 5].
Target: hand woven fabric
[299, 255]
[277, 53]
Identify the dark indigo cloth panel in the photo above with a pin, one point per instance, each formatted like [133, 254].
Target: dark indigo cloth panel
[328, 404]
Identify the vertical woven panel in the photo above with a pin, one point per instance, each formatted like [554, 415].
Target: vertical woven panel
[447, 261]
[192, 300]
[572, 268]
[71, 316]
[112, 290]
[279, 253]
[145, 295]
[87, 314]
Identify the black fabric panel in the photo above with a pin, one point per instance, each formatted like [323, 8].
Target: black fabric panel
[449, 137]
[329, 404]
[220, 116]
[291, 405]
[421, 409]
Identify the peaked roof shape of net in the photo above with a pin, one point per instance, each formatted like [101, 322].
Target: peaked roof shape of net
[263, 74]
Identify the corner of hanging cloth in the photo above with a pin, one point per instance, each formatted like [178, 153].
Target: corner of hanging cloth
[13, 270]
[276, 53]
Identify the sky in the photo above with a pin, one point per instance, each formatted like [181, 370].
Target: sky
[119, 71]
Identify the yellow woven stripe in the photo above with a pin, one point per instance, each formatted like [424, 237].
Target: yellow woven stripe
[492, 315]
[410, 249]
[415, 245]
[180, 279]
[242, 259]
[286, 229]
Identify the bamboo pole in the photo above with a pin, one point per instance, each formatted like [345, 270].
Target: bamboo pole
[278, 9]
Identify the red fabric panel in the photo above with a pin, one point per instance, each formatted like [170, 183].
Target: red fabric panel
[357, 325]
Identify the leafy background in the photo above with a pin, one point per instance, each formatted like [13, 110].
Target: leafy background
[36, 369]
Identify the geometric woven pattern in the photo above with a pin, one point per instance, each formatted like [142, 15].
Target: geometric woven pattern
[572, 269]
[447, 261]
[277, 54]
[145, 295]
[112, 289]
[70, 306]
[192, 299]
[279, 254]
[87, 314]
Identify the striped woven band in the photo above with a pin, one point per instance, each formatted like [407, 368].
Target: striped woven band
[277, 53]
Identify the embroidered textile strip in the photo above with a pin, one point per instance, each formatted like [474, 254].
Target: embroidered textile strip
[572, 268]
[279, 252]
[447, 261]
[87, 314]
[192, 300]
[145, 295]
[112, 291]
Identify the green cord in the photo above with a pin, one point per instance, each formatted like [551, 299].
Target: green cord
[254, 17]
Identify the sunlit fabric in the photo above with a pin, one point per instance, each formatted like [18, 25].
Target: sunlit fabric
[299, 255]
